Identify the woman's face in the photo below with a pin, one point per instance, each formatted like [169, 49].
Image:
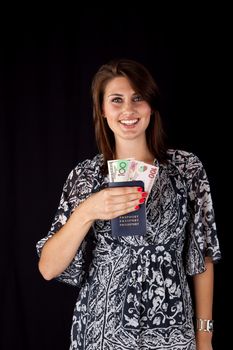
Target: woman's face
[127, 114]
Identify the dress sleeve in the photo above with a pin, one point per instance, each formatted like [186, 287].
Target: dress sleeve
[202, 240]
[76, 189]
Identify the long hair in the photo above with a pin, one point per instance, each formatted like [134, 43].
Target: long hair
[143, 84]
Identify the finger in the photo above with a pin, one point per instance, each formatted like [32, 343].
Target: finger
[125, 205]
[125, 211]
[126, 198]
[116, 191]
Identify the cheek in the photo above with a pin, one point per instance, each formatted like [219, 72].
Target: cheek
[111, 113]
[147, 117]
[110, 118]
[146, 109]
[147, 114]
[147, 121]
[111, 124]
[106, 111]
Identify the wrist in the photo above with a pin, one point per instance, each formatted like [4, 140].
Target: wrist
[204, 325]
[85, 213]
[203, 339]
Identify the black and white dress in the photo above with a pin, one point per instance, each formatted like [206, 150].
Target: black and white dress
[133, 292]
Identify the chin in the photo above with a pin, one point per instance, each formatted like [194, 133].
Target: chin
[132, 136]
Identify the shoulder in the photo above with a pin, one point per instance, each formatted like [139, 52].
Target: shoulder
[88, 165]
[187, 162]
[86, 170]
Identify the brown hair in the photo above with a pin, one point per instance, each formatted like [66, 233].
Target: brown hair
[144, 84]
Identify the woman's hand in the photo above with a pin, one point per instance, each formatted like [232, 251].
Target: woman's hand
[109, 203]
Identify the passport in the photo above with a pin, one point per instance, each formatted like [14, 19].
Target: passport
[133, 223]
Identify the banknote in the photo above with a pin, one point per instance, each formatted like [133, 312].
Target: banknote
[130, 170]
[144, 172]
[118, 170]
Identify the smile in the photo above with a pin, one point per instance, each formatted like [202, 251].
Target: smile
[129, 121]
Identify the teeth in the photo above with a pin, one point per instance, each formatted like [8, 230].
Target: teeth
[129, 122]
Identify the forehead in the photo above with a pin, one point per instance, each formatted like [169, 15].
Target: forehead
[118, 85]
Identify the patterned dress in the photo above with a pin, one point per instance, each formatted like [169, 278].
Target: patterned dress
[133, 291]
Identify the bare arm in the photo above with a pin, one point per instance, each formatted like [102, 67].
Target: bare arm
[60, 249]
[203, 292]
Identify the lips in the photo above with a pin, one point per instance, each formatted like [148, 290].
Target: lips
[129, 121]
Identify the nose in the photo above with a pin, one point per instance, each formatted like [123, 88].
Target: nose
[128, 107]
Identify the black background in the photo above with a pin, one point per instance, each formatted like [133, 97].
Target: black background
[46, 129]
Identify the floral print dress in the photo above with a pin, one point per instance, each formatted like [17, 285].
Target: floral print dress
[133, 291]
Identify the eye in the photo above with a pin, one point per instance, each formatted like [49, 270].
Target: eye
[137, 98]
[117, 100]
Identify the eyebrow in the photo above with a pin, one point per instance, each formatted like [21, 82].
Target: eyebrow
[115, 94]
[120, 95]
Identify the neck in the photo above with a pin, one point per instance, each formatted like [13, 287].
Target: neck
[136, 149]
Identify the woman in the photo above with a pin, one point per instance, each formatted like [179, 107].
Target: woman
[134, 292]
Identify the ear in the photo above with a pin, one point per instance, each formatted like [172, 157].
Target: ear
[103, 114]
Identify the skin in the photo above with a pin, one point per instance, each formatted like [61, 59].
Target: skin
[203, 293]
[121, 103]
[128, 116]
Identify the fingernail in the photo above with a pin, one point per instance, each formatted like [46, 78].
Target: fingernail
[142, 200]
[144, 194]
[139, 189]
[137, 207]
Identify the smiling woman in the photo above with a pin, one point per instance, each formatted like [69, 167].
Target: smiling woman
[128, 116]
[134, 293]
[125, 93]
[127, 113]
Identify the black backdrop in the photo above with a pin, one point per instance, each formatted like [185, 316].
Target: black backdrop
[46, 128]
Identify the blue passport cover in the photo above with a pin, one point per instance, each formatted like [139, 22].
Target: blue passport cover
[131, 224]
